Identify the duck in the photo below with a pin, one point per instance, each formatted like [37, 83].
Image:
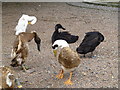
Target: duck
[90, 42]
[23, 22]
[63, 35]
[68, 59]
[9, 78]
[19, 52]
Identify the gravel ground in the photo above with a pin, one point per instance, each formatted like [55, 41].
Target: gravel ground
[100, 71]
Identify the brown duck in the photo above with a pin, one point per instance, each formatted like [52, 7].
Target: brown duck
[8, 77]
[67, 58]
[20, 48]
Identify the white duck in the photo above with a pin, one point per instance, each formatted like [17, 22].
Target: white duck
[23, 22]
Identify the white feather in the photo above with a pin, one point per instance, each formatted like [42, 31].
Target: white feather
[19, 61]
[68, 70]
[61, 43]
[13, 54]
[8, 81]
[23, 22]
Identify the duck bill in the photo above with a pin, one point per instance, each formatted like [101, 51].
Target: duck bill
[63, 28]
[29, 22]
[55, 53]
[18, 83]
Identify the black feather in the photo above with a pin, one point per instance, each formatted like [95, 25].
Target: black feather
[37, 41]
[63, 35]
[90, 42]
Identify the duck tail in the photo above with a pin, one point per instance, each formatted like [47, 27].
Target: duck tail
[79, 51]
[101, 38]
[74, 38]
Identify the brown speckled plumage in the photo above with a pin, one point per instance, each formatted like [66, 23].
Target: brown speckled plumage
[68, 58]
[20, 47]
[4, 70]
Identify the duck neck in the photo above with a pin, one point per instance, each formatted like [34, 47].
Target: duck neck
[56, 29]
[35, 35]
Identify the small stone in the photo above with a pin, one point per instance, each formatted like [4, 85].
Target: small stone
[26, 81]
[112, 77]
[30, 83]
[84, 73]
[97, 76]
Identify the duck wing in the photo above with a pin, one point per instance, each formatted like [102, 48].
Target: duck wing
[26, 37]
[88, 44]
[92, 35]
[68, 37]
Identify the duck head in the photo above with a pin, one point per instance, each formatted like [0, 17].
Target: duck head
[59, 26]
[37, 40]
[59, 44]
[10, 77]
[31, 19]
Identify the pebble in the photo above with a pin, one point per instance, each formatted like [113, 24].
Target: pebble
[30, 83]
[112, 77]
[84, 73]
[48, 71]
[94, 56]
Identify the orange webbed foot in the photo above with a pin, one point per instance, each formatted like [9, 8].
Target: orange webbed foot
[68, 82]
[60, 75]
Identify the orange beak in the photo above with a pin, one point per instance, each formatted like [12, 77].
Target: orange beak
[29, 22]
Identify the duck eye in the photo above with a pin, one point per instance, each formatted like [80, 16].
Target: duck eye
[11, 77]
[54, 46]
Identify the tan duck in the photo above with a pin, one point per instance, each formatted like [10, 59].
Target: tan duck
[8, 77]
[20, 48]
[67, 58]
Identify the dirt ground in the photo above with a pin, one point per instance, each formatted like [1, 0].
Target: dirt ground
[100, 71]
